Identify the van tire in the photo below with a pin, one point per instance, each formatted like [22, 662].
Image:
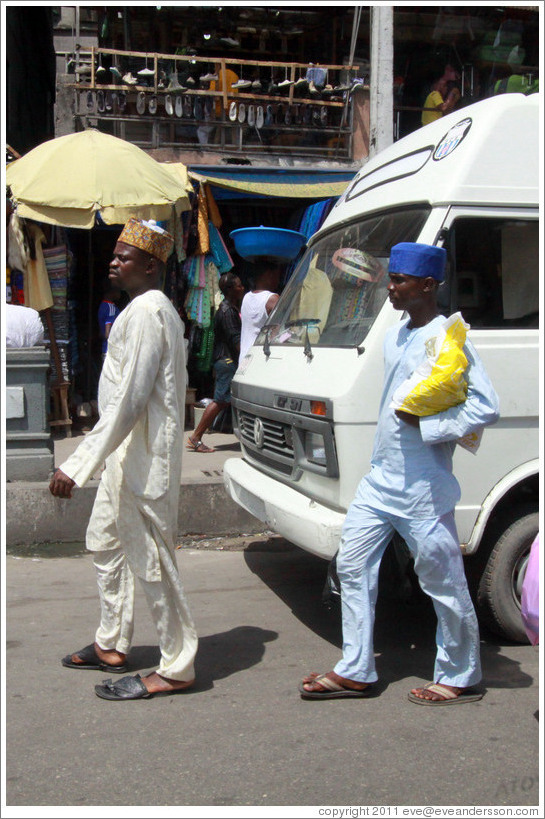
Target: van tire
[498, 595]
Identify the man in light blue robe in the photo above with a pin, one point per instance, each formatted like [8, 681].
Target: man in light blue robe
[411, 490]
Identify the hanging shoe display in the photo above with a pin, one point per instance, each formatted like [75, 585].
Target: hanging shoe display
[242, 84]
[141, 102]
[198, 109]
[174, 83]
[146, 72]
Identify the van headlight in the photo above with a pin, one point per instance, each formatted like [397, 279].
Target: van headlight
[315, 448]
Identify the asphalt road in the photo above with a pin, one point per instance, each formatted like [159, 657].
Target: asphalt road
[243, 736]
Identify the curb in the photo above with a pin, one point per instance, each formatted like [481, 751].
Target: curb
[33, 516]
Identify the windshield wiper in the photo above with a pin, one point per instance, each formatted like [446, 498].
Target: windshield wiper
[266, 344]
[305, 322]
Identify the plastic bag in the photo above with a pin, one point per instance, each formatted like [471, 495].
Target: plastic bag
[438, 383]
[529, 604]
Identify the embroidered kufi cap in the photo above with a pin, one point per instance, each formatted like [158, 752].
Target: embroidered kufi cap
[414, 259]
[147, 236]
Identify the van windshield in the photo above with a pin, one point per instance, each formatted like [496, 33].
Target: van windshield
[339, 286]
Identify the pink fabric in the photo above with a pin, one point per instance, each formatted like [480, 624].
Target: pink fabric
[530, 595]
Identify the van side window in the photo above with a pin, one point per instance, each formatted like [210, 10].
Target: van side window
[493, 272]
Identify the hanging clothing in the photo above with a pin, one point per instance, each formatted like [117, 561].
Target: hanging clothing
[37, 286]
[213, 211]
[203, 245]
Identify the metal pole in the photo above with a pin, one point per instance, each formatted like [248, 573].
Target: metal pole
[382, 78]
[90, 316]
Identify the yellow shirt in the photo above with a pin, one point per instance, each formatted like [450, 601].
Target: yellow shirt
[432, 101]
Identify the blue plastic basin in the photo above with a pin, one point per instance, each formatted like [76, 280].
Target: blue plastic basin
[279, 243]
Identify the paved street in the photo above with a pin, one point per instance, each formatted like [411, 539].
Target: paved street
[243, 736]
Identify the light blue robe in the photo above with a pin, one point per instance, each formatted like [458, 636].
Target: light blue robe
[411, 489]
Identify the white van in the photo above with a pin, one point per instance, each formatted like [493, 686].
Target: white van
[306, 397]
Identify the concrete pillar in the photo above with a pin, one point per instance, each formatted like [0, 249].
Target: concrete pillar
[360, 135]
[382, 78]
[65, 106]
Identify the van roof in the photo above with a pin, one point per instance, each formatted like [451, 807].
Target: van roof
[486, 153]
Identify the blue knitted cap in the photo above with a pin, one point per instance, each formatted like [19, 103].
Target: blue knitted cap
[414, 259]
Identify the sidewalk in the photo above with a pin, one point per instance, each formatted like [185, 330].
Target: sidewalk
[195, 466]
[34, 516]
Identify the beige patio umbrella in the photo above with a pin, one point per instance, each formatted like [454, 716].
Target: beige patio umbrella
[67, 181]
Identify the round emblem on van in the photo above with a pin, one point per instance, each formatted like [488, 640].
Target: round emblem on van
[259, 433]
[452, 139]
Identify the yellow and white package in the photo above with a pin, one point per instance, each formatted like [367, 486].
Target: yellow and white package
[438, 383]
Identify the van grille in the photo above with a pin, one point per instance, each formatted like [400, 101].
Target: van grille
[275, 440]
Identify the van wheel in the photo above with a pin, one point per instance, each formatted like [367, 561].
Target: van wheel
[500, 587]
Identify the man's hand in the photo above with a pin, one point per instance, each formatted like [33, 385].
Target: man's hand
[412, 420]
[61, 485]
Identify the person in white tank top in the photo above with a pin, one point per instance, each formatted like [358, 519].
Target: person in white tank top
[259, 303]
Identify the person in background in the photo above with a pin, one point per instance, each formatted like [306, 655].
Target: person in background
[24, 326]
[108, 311]
[213, 107]
[139, 435]
[231, 78]
[259, 303]
[440, 100]
[411, 490]
[227, 329]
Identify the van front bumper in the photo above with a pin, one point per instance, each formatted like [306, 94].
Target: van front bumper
[299, 519]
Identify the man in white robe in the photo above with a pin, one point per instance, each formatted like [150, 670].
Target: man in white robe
[139, 437]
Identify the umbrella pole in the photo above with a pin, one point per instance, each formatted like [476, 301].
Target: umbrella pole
[90, 278]
[59, 390]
